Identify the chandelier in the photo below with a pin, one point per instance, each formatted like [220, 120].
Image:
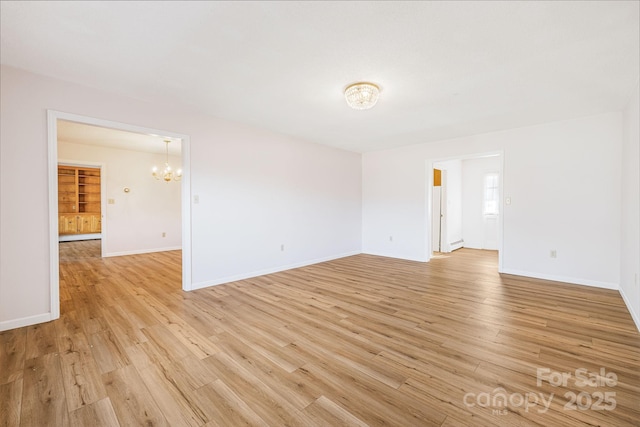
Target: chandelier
[362, 96]
[167, 174]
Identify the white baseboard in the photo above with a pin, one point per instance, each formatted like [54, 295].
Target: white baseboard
[565, 279]
[74, 237]
[635, 316]
[25, 321]
[143, 251]
[396, 256]
[244, 276]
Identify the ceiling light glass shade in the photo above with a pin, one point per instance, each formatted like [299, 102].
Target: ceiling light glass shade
[166, 174]
[362, 96]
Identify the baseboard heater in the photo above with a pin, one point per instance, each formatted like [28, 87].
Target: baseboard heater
[74, 237]
[456, 245]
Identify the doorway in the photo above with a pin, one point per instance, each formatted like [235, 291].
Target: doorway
[53, 120]
[464, 203]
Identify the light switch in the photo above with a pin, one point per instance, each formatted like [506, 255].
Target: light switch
[111, 201]
[196, 199]
[507, 201]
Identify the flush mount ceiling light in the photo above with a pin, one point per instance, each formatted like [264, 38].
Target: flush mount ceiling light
[362, 95]
[166, 174]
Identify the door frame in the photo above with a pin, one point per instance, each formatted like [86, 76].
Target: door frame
[52, 141]
[430, 166]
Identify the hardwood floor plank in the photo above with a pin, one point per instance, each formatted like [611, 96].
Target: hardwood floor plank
[195, 342]
[174, 399]
[225, 408]
[279, 356]
[266, 402]
[202, 317]
[427, 347]
[81, 378]
[13, 345]
[41, 340]
[361, 340]
[334, 414]
[107, 352]
[10, 403]
[244, 317]
[163, 346]
[456, 406]
[68, 323]
[131, 400]
[361, 396]
[89, 312]
[123, 328]
[43, 401]
[135, 311]
[97, 414]
[352, 362]
[295, 392]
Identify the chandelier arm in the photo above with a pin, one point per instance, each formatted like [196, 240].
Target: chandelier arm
[167, 174]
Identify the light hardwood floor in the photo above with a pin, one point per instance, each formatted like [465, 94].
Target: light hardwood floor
[359, 341]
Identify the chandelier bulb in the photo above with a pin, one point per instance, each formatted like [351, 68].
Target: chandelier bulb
[167, 173]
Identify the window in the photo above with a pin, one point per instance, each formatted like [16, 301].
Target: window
[491, 196]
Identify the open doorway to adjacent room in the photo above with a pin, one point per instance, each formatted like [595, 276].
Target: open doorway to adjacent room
[104, 199]
[465, 203]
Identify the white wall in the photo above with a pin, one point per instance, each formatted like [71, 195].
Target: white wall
[136, 220]
[564, 182]
[306, 197]
[257, 190]
[478, 231]
[630, 245]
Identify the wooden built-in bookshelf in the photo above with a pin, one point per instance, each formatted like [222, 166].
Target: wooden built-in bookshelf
[79, 200]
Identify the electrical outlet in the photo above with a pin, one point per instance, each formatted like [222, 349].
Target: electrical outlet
[391, 238]
[111, 201]
[553, 253]
[282, 247]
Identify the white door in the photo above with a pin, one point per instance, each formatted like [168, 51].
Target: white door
[435, 220]
[444, 204]
[490, 238]
[439, 216]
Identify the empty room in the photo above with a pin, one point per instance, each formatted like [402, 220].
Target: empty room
[367, 213]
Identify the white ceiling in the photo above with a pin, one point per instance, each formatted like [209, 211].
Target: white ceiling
[446, 69]
[80, 133]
